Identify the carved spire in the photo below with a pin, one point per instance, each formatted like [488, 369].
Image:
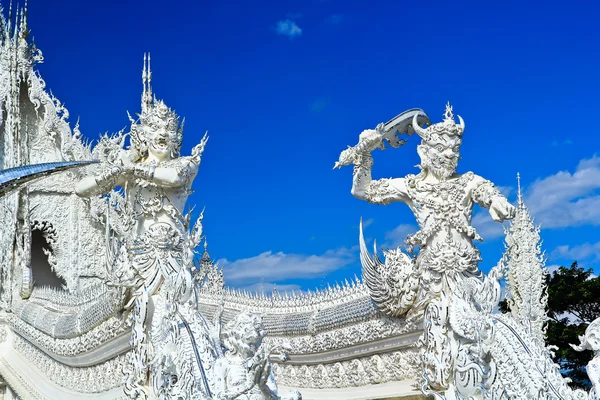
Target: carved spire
[527, 272]
[10, 17]
[206, 260]
[147, 84]
[23, 30]
[16, 27]
[519, 193]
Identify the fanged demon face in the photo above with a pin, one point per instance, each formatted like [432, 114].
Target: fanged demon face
[439, 150]
[162, 142]
[161, 132]
[441, 159]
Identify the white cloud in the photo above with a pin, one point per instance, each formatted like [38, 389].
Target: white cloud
[506, 190]
[553, 268]
[396, 237]
[486, 226]
[566, 199]
[288, 28]
[582, 252]
[556, 201]
[281, 266]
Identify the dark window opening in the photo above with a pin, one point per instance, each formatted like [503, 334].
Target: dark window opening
[43, 275]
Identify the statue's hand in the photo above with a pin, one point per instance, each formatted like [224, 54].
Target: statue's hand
[372, 138]
[501, 209]
[368, 140]
[126, 162]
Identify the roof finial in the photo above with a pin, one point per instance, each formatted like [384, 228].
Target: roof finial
[205, 243]
[147, 84]
[23, 31]
[149, 76]
[24, 24]
[448, 113]
[17, 19]
[519, 193]
[10, 17]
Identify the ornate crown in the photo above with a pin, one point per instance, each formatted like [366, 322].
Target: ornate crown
[155, 114]
[441, 131]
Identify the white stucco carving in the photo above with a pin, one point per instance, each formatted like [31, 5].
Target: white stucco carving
[136, 317]
[467, 349]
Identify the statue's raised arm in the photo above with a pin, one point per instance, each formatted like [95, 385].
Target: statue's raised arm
[442, 201]
[439, 197]
[382, 191]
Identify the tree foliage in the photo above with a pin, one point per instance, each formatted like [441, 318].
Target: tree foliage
[573, 302]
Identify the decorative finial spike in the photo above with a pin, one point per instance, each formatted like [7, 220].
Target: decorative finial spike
[144, 72]
[519, 192]
[17, 19]
[448, 115]
[147, 84]
[149, 74]
[10, 17]
[24, 23]
[144, 84]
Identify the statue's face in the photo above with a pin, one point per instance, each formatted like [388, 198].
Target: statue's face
[162, 141]
[594, 341]
[441, 158]
[251, 335]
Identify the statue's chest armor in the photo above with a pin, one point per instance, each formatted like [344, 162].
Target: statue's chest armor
[237, 374]
[149, 199]
[442, 202]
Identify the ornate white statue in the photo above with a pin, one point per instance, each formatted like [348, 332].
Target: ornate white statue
[153, 250]
[176, 353]
[442, 202]
[468, 349]
[157, 183]
[244, 372]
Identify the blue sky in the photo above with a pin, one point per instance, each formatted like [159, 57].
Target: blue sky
[283, 87]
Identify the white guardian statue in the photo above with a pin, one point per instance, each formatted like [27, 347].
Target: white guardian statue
[468, 350]
[442, 201]
[149, 244]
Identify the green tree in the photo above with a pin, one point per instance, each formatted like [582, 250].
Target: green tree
[573, 302]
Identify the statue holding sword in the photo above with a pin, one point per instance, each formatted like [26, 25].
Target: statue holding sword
[442, 201]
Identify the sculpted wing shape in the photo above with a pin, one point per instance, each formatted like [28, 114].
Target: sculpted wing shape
[393, 284]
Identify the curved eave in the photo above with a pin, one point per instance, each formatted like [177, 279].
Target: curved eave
[13, 178]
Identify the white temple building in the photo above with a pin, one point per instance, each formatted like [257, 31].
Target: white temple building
[108, 290]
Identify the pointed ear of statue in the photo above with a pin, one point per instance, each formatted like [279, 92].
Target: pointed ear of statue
[422, 152]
